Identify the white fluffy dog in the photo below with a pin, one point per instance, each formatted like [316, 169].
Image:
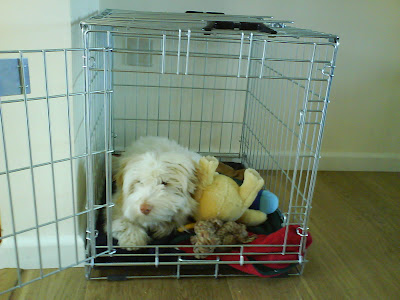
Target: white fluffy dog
[155, 181]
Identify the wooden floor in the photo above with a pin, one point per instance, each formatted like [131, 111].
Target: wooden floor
[355, 223]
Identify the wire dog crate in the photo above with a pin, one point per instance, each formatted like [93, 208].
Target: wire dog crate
[246, 89]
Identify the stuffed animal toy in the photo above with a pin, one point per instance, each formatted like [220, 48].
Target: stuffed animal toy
[214, 232]
[221, 197]
[265, 201]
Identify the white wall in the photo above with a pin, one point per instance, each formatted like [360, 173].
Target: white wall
[362, 130]
[27, 26]
[45, 25]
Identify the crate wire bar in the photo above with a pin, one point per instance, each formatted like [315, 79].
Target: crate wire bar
[249, 97]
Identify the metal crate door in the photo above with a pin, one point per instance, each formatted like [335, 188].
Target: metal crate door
[53, 139]
[285, 117]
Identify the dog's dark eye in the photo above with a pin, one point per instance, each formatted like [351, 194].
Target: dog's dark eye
[164, 183]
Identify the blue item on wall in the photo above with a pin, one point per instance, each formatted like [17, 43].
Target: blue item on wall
[11, 76]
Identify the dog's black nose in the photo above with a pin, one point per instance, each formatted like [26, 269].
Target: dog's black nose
[146, 208]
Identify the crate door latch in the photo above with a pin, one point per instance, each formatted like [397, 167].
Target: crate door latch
[11, 77]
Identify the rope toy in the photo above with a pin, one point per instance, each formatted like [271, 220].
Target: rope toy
[213, 232]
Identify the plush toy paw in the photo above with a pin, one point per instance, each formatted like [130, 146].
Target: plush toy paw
[252, 217]
[252, 184]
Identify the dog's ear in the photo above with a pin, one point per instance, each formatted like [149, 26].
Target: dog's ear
[193, 181]
[119, 177]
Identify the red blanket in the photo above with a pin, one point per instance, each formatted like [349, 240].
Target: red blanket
[266, 270]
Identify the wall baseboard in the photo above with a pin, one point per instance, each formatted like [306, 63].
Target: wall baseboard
[29, 255]
[331, 161]
[356, 161]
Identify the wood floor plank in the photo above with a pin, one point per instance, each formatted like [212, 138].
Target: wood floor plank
[132, 289]
[204, 288]
[159, 289]
[327, 275]
[344, 220]
[68, 284]
[8, 280]
[267, 288]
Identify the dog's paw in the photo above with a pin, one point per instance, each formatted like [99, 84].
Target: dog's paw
[132, 242]
[129, 236]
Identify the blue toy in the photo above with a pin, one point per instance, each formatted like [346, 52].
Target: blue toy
[266, 202]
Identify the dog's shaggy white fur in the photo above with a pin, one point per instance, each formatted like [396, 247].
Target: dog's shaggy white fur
[155, 181]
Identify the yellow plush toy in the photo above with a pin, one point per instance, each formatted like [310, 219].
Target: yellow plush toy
[219, 196]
